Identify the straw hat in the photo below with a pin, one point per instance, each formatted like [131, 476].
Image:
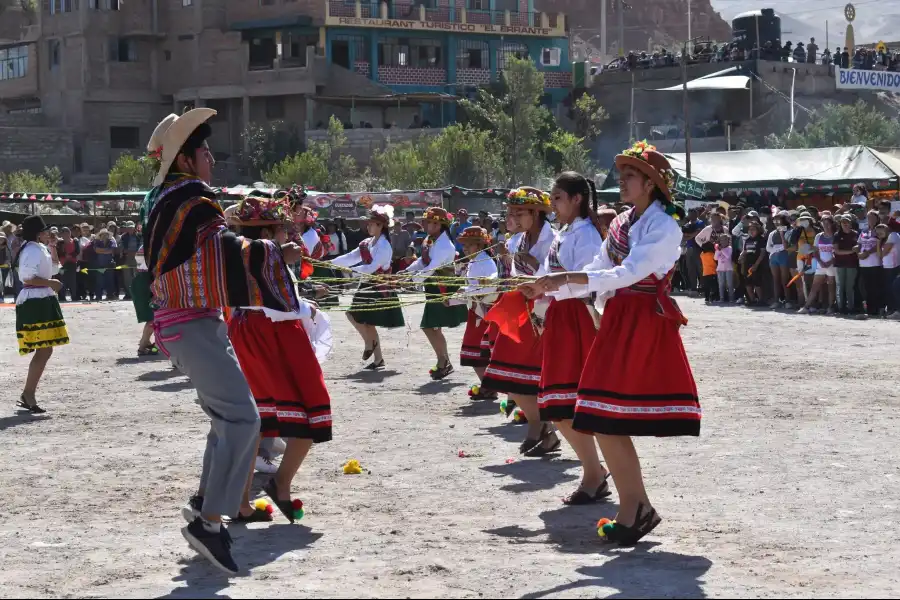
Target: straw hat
[474, 234]
[644, 158]
[436, 214]
[261, 212]
[171, 134]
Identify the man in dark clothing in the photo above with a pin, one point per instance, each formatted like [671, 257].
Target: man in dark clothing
[353, 236]
[811, 50]
[837, 56]
[845, 59]
[693, 267]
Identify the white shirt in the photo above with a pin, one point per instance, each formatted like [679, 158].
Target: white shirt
[654, 247]
[34, 261]
[891, 260]
[826, 250]
[481, 266]
[441, 254]
[868, 243]
[771, 246]
[579, 243]
[382, 253]
[538, 250]
[311, 239]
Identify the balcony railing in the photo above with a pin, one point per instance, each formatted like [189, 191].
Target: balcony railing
[339, 11]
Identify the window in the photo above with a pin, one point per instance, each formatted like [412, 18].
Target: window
[125, 138]
[275, 107]
[53, 54]
[122, 50]
[293, 48]
[410, 52]
[472, 55]
[479, 5]
[510, 50]
[104, 4]
[62, 6]
[551, 57]
[13, 62]
[187, 2]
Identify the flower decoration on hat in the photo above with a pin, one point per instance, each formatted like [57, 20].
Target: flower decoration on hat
[435, 214]
[474, 234]
[529, 197]
[383, 213]
[254, 210]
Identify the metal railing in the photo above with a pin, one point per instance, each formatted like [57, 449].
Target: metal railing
[410, 11]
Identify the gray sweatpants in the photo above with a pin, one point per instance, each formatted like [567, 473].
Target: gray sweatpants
[201, 350]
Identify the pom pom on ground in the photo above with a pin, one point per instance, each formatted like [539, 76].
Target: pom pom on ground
[260, 504]
[352, 467]
[519, 416]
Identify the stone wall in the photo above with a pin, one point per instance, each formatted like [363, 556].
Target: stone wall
[33, 148]
[473, 76]
[363, 142]
[411, 76]
[557, 79]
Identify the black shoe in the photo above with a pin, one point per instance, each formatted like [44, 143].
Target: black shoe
[213, 546]
[191, 510]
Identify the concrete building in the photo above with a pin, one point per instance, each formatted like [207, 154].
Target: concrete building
[89, 79]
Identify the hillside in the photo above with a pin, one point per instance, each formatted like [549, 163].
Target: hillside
[647, 23]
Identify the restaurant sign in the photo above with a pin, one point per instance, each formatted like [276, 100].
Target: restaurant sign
[401, 24]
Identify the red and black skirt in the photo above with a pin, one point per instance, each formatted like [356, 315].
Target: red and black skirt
[284, 375]
[470, 355]
[515, 368]
[488, 340]
[637, 380]
[569, 333]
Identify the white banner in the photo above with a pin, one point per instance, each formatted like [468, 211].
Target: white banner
[859, 79]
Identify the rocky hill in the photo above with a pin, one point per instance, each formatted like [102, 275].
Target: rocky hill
[648, 23]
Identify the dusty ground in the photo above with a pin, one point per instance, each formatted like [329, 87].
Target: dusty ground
[792, 490]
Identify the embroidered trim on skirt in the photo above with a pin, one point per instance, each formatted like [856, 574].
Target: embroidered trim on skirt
[40, 324]
[470, 355]
[637, 380]
[515, 368]
[284, 375]
[569, 333]
[377, 295]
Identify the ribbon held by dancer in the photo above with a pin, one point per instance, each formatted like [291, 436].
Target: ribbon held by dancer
[275, 346]
[478, 295]
[375, 303]
[636, 380]
[197, 268]
[432, 270]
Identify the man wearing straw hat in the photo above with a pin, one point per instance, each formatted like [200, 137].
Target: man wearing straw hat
[197, 268]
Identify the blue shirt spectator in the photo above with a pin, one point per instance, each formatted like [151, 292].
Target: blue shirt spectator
[459, 225]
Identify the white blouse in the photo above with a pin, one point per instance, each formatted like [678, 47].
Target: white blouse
[311, 239]
[441, 254]
[382, 254]
[34, 261]
[481, 267]
[579, 243]
[539, 250]
[654, 243]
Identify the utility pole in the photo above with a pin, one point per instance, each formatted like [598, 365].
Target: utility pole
[620, 6]
[604, 47]
[686, 105]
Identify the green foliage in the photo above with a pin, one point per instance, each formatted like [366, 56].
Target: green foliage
[270, 143]
[26, 181]
[131, 174]
[324, 166]
[841, 125]
[567, 152]
[589, 116]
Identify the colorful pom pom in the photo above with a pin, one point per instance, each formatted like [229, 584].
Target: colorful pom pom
[519, 416]
[603, 522]
[298, 514]
[270, 509]
[606, 529]
[503, 405]
[260, 504]
[352, 467]
[296, 503]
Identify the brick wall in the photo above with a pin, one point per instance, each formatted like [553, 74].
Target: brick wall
[411, 76]
[33, 148]
[557, 79]
[362, 67]
[473, 76]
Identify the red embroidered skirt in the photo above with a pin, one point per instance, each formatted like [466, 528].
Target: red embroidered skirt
[470, 354]
[488, 340]
[569, 333]
[637, 380]
[281, 367]
[515, 368]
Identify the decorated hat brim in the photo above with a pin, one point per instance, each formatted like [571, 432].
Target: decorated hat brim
[647, 169]
[540, 207]
[259, 223]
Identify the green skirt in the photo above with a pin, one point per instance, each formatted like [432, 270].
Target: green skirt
[141, 296]
[437, 314]
[388, 314]
[319, 273]
[40, 324]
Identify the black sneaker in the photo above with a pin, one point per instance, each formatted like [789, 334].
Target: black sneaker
[191, 510]
[214, 546]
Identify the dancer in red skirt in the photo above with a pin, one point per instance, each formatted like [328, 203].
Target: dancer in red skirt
[479, 298]
[570, 326]
[277, 356]
[637, 380]
[515, 367]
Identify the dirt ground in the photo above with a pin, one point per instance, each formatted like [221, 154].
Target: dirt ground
[792, 490]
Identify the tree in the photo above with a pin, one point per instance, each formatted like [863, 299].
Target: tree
[324, 166]
[841, 125]
[589, 116]
[131, 174]
[567, 152]
[267, 144]
[408, 165]
[515, 116]
[26, 181]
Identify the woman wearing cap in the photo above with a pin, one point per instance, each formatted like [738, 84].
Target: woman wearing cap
[637, 380]
[39, 320]
[433, 268]
[570, 326]
[272, 343]
[515, 366]
[479, 298]
[375, 303]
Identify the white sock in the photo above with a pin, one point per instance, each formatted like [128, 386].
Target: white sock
[211, 526]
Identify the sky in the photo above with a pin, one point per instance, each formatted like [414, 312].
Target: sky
[801, 19]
